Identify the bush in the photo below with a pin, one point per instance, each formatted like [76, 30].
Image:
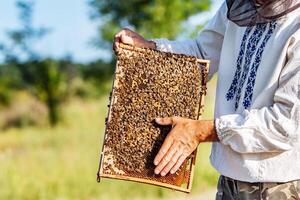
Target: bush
[24, 110]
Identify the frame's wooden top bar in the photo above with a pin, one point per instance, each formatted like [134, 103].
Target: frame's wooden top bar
[129, 47]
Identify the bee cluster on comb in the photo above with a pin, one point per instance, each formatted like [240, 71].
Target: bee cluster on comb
[150, 84]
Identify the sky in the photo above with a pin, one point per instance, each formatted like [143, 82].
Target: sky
[71, 27]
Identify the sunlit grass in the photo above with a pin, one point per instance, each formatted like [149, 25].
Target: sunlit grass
[61, 163]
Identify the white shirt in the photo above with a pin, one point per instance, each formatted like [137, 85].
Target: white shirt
[257, 116]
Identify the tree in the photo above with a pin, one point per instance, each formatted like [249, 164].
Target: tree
[20, 48]
[151, 18]
[46, 79]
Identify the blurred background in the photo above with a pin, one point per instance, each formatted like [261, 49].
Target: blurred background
[56, 66]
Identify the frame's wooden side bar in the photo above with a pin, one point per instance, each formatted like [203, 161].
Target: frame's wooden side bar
[200, 112]
[192, 168]
[203, 88]
[107, 119]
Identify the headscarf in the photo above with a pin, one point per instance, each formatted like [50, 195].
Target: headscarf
[250, 12]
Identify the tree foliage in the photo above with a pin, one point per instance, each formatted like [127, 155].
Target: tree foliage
[151, 18]
[42, 77]
[22, 39]
[47, 79]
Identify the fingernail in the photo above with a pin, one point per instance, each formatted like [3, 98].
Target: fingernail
[155, 163]
[163, 174]
[156, 171]
[172, 171]
[157, 119]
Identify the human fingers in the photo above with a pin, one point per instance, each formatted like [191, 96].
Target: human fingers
[171, 163]
[165, 159]
[166, 121]
[163, 149]
[178, 164]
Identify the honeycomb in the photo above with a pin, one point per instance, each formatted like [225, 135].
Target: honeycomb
[149, 84]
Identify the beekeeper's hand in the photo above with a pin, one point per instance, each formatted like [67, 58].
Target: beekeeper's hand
[183, 139]
[129, 37]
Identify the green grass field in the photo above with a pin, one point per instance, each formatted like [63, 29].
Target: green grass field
[61, 163]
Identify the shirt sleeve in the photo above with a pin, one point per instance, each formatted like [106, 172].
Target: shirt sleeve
[268, 129]
[207, 45]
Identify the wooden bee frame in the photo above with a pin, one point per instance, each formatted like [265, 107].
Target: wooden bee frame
[149, 84]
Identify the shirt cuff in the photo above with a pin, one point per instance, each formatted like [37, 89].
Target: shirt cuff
[161, 45]
[221, 129]
[228, 125]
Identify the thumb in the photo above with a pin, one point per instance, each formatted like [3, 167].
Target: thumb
[127, 39]
[165, 121]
